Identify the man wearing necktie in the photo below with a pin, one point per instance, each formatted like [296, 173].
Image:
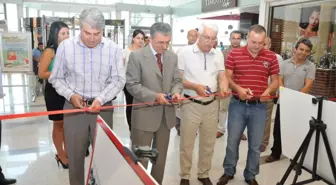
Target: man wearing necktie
[151, 72]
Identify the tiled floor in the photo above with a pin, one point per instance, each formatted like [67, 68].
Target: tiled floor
[27, 151]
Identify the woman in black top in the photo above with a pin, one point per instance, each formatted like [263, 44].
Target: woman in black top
[59, 31]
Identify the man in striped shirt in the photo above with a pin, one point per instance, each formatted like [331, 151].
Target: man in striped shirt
[248, 69]
[89, 72]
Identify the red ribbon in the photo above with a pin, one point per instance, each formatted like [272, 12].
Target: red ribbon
[46, 113]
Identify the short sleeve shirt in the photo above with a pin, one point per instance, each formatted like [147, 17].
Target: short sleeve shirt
[201, 68]
[295, 77]
[250, 72]
[36, 53]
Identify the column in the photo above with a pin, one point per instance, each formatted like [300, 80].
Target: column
[27, 12]
[263, 13]
[5, 10]
[158, 17]
[118, 14]
[20, 16]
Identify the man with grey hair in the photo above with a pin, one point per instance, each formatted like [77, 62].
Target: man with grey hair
[202, 70]
[192, 37]
[89, 72]
[151, 73]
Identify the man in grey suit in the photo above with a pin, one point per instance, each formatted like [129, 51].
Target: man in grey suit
[152, 71]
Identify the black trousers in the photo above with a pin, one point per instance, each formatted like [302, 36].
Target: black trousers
[277, 148]
[2, 177]
[129, 100]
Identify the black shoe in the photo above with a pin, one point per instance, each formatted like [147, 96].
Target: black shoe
[87, 152]
[184, 182]
[205, 181]
[271, 159]
[58, 160]
[224, 179]
[7, 181]
[251, 182]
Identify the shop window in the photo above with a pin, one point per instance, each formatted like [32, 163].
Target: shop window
[315, 21]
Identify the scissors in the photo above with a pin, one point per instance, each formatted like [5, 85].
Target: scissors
[208, 90]
[169, 97]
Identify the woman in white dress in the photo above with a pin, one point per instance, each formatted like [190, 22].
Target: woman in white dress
[137, 43]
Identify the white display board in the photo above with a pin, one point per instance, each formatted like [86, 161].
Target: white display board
[110, 164]
[296, 110]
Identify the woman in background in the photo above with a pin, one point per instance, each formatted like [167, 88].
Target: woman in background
[137, 43]
[59, 31]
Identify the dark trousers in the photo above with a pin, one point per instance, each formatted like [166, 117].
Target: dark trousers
[129, 100]
[1, 174]
[277, 148]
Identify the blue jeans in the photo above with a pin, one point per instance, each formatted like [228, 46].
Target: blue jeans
[253, 117]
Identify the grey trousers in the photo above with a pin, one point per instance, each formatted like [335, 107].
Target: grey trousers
[79, 129]
[160, 140]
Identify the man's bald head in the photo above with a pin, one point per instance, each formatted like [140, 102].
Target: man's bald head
[192, 36]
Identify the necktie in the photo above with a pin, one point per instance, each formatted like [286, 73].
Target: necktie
[159, 62]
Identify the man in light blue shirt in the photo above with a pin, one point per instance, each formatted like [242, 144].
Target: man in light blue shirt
[36, 57]
[89, 72]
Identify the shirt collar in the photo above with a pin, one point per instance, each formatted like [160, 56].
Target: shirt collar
[292, 61]
[196, 49]
[153, 50]
[261, 52]
[79, 41]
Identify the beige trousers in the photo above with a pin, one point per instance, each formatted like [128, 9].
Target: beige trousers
[202, 118]
[267, 131]
[223, 113]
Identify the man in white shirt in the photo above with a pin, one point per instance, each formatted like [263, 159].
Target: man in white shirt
[202, 70]
[192, 38]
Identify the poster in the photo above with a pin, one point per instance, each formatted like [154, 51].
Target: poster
[16, 52]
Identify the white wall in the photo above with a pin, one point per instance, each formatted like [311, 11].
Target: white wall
[12, 18]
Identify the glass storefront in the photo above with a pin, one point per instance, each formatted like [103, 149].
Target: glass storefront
[313, 20]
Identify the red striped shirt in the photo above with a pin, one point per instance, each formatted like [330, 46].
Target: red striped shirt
[249, 72]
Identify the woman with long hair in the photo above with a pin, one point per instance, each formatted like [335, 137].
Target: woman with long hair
[137, 43]
[59, 31]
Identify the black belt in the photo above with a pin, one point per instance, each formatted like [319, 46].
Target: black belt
[90, 101]
[198, 101]
[252, 102]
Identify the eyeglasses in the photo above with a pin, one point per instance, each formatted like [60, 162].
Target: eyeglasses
[209, 39]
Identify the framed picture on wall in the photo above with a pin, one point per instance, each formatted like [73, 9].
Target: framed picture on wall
[309, 23]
